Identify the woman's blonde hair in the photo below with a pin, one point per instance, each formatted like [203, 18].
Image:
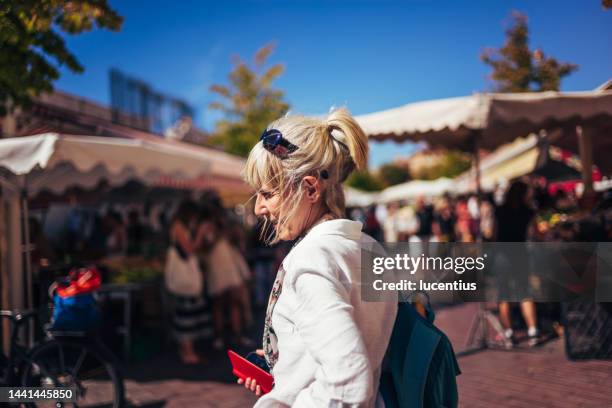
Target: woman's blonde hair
[329, 148]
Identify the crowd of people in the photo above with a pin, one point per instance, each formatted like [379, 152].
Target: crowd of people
[206, 231]
[465, 218]
[528, 210]
[238, 268]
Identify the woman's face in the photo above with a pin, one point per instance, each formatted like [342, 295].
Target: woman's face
[268, 205]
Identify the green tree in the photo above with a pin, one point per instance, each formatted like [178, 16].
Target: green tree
[454, 164]
[364, 180]
[249, 103]
[451, 165]
[391, 174]
[517, 69]
[32, 48]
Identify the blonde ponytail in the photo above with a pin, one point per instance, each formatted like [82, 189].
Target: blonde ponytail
[330, 149]
[355, 138]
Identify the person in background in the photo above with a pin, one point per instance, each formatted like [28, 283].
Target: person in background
[390, 225]
[324, 344]
[42, 254]
[227, 273]
[116, 234]
[406, 222]
[541, 197]
[498, 193]
[487, 218]
[189, 319]
[446, 219]
[372, 226]
[356, 214]
[437, 235]
[462, 226]
[135, 234]
[474, 210]
[425, 215]
[513, 220]
[74, 239]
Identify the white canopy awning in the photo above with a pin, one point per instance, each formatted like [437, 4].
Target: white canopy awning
[416, 188]
[495, 118]
[55, 162]
[357, 198]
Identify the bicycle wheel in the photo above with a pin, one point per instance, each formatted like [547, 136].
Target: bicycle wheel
[87, 367]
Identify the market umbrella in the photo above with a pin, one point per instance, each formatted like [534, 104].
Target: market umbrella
[55, 162]
[493, 117]
[488, 120]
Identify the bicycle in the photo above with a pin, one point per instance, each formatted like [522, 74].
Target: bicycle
[78, 360]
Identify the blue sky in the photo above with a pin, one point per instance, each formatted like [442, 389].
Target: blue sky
[365, 54]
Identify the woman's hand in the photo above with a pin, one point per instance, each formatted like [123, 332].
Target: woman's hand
[250, 383]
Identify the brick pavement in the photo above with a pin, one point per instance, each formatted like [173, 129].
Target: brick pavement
[540, 377]
[165, 382]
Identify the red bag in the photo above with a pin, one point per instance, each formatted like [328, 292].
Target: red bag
[82, 280]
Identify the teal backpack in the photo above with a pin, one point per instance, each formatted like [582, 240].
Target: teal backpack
[420, 367]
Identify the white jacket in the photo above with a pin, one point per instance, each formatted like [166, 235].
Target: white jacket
[331, 343]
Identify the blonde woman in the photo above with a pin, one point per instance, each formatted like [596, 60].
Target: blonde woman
[323, 344]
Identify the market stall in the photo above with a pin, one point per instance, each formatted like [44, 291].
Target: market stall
[54, 163]
[489, 120]
[524, 156]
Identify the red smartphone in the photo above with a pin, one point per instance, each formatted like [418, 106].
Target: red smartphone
[243, 368]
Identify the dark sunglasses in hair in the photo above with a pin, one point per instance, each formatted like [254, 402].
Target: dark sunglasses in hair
[274, 142]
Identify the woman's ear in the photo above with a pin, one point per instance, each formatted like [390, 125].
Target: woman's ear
[312, 187]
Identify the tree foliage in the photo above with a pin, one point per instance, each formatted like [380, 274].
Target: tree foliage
[391, 174]
[32, 48]
[451, 165]
[517, 69]
[364, 180]
[249, 103]
[387, 175]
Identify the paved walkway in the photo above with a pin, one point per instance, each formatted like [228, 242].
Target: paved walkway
[165, 382]
[540, 377]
